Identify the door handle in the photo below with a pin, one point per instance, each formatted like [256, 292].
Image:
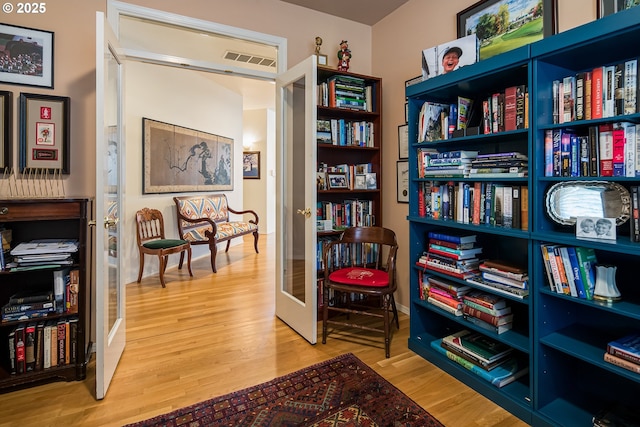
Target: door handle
[306, 212]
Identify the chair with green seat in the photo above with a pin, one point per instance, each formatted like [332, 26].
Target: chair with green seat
[152, 241]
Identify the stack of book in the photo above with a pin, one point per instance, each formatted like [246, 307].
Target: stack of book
[29, 305]
[443, 293]
[499, 165]
[347, 92]
[503, 277]
[452, 255]
[570, 270]
[449, 164]
[487, 311]
[491, 360]
[51, 252]
[625, 352]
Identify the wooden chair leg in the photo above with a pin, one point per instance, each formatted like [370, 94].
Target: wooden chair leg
[255, 241]
[188, 259]
[161, 270]
[228, 244]
[141, 267]
[181, 260]
[214, 251]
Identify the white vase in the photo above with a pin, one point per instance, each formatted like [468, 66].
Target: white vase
[606, 289]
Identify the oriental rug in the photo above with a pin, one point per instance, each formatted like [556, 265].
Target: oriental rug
[342, 391]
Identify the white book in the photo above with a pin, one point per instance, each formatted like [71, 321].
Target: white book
[637, 142]
[447, 308]
[507, 207]
[630, 86]
[630, 150]
[47, 347]
[608, 91]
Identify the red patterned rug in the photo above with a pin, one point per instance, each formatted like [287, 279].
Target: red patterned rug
[339, 392]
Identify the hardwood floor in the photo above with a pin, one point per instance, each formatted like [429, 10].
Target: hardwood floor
[212, 334]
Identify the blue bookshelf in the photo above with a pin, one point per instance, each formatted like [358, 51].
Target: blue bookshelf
[563, 337]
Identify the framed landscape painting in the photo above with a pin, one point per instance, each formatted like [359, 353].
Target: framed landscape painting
[503, 25]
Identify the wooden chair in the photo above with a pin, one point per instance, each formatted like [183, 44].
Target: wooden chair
[152, 241]
[354, 269]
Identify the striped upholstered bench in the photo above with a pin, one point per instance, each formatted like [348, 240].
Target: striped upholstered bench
[204, 220]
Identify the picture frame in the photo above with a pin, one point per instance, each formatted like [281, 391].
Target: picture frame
[31, 47]
[406, 112]
[321, 180]
[403, 141]
[44, 133]
[371, 180]
[360, 182]
[450, 56]
[6, 123]
[494, 44]
[250, 165]
[337, 181]
[402, 174]
[323, 60]
[595, 228]
[609, 7]
[177, 159]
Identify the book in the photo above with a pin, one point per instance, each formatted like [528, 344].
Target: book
[596, 92]
[488, 326]
[575, 269]
[635, 214]
[517, 283]
[510, 108]
[504, 268]
[452, 245]
[617, 416]
[501, 376]
[498, 288]
[622, 363]
[31, 296]
[485, 299]
[460, 254]
[445, 307]
[30, 347]
[455, 289]
[524, 208]
[454, 341]
[627, 347]
[587, 261]
[452, 237]
[630, 87]
[605, 139]
[61, 342]
[568, 270]
[20, 351]
[470, 357]
[489, 318]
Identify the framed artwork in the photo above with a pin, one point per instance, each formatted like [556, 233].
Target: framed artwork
[178, 159]
[28, 56]
[609, 7]
[337, 180]
[321, 180]
[322, 60]
[402, 170]
[372, 181]
[6, 108]
[403, 141]
[251, 165]
[503, 25]
[360, 182]
[44, 132]
[588, 227]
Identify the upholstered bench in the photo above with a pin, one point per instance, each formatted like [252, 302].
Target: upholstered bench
[204, 220]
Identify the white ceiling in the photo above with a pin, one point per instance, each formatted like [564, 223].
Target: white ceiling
[366, 12]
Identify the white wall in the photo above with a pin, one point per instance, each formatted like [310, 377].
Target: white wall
[259, 194]
[186, 98]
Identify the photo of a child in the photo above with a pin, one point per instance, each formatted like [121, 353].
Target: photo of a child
[595, 228]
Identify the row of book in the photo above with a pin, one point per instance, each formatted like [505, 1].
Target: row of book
[341, 91]
[607, 150]
[501, 111]
[491, 360]
[349, 213]
[345, 133]
[62, 298]
[43, 345]
[485, 202]
[605, 91]
[360, 253]
[625, 352]
[570, 270]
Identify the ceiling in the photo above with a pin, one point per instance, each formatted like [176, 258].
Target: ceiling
[366, 12]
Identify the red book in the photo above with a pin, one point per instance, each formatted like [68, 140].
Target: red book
[606, 149]
[451, 302]
[618, 151]
[491, 301]
[489, 318]
[596, 93]
[510, 108]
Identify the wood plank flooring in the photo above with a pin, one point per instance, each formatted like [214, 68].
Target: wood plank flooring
[212, 334]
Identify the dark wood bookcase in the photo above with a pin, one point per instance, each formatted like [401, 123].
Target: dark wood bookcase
[563, 338]
[332, 155]
[46, 219]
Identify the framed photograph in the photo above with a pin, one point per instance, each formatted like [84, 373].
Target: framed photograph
[588, 227]
[321, 180]
[449, 56]
[178, 159]
[403, 141]
[406, 112]
[402, 170]
[360, 182]
[6, 120]
[372, 181]
[503, 25]
[27, 56]
[251, 165]
[337, 180]
[322, 60]
[609, 7]
[44, 132]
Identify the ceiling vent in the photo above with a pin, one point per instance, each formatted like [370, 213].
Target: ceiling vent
[251, 59]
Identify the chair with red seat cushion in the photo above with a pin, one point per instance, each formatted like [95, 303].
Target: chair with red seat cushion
[357, 281]
[151, 240]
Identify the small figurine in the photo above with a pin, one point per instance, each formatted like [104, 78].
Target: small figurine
[318, 44]
[344, 56]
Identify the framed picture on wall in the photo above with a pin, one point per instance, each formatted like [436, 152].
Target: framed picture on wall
[402, 171]
[6, 108]
[28, 56]
[525, 23]
[251, 165]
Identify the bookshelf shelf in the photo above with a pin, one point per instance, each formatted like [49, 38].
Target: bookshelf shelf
[564, 337]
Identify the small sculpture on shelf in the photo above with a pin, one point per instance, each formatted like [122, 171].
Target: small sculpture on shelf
[344, 56]
[322, 59]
